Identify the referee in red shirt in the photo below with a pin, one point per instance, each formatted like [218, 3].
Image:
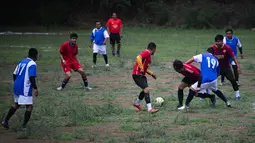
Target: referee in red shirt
[114, 27]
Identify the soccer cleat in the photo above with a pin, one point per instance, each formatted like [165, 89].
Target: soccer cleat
[228, 104]
[5, 124]
[60, 88]
[183, 107]
[178, 106]
[94, 66]
[23, 128]
[88, 88]
[107, 65]
[238, 98]
[138, 106]
[152, 110]
[213, 100]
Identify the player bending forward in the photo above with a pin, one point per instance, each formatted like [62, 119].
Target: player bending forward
[140, 69]
[68, 54]
[210, 70]
[24, 84]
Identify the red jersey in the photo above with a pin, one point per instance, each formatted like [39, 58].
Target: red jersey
[69, 52]
[223, 54]
[146, 59]
[114, 25]
[190, 71]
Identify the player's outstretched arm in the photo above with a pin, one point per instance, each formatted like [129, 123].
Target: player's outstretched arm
[190, 61]
[151, 73]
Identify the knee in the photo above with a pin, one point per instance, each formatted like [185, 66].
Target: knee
[68, 75]
[146, 90]
[30, 108]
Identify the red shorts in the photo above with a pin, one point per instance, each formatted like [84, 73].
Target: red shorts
[71, 65]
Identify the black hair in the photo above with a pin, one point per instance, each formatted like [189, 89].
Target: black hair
[98, 21]
[229, 30]
[178, 65]
[73, 35]
[219, 37]
[32, 53]
[210, 50]
[151, 46]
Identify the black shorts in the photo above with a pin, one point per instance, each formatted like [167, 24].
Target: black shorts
[140, 81]
[188, 80]
[227, 72]
[114, 38]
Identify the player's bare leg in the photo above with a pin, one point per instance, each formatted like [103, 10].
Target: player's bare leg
[118, 49]
[180, 93]
[84, 78]
[27, 115]
[11, 111]
[65, 81]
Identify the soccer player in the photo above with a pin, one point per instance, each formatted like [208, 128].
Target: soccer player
[25, 86]
[99, 36]
[191, 76]
[233, 42]
[140, 69]
[68, 55]
[114, 27]
[223, 53]
[210, 70]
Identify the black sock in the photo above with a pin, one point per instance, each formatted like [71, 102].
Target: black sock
[86, 83]
[118, 50]
[235, 72]
[12, 110]
[222, 78]
[180, 96]
[234, 85]
[204, 95]
[26, 118]
[94, 58]
[64, 82]
[190, 97]
[105, 59]
[147, 98]
[141, 95]
[220, 95]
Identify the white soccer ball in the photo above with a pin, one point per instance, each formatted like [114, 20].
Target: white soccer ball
[159, 100]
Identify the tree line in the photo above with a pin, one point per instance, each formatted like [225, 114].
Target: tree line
[170, 13]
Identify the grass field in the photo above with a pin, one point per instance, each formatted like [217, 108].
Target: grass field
[105, 114]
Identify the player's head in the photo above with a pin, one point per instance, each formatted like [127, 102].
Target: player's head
[114, 15]
[73, 37]
[98, 24]
[229, 33]
[210, 50]
[33, 54]
[178, 65]
[219, 40]
[152, 47]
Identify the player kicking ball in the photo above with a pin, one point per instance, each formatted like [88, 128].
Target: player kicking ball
[140, 69]
[68, 54]
[210, 70]
[24, 84]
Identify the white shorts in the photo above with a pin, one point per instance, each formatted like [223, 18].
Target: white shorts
[206, 87]
[233, 63]
[23, 100]
[100, 49]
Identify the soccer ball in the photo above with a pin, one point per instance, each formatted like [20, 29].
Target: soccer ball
[159, 100]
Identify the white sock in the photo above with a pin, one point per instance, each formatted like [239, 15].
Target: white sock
[149, 106]
[138, 101]
[237, 93]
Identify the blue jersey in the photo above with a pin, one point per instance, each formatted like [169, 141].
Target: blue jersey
[233, 43]
[209, 67]
[25, 69]
[99, 35]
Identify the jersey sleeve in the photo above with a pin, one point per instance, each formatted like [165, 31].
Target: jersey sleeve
[224, 40]
[144, 54]
[121, 24]
[32, 70]
[106, 35]
[92, 36]
[16, 70]
[62, 48]
[239, 45]
[230, 52]
[198, 58]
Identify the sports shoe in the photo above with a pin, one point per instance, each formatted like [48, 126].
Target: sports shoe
[23, 128]
[238, 98]
[5, 124]
[183, 107]
[221, 83]
[107, 65]
[213, 100]
[94, 66]
[202, 99]
[178, 106]
[152, 110]
[118, 54]
[60, 88]
[238, 83]
[138, 106]
[228, 104]
[88, 88]
[113, 53]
